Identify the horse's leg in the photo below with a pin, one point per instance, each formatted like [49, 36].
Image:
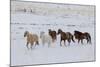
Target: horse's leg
[60, 42]
[53, 40]
[32, 44]
[69, 41]
[82, 41]
[87, 40]
[72, 38]
[27, 45]
[43, 43]
[48, 44]
[78, 40]
[37, 42]
[65, 42]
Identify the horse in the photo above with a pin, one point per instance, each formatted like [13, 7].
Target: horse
[65, 36]
[71, 37]
[80, 36]
[53, 34]
[45, 38]
[31, 39]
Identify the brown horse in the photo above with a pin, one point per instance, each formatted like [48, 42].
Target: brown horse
[53, 34]
[31, 39]
[80, 36]
[65, 36]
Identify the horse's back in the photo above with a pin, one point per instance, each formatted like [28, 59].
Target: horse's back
[35, 36]
[87, 34]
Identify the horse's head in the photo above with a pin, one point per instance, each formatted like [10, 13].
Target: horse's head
[25, 34]
[59, 31]
[49, 30]
[77, 34]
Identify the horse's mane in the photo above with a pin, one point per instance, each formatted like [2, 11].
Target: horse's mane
[60, 30]
[77, 31]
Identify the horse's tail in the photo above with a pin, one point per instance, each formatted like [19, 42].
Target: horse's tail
[89, 38]
[37, 42]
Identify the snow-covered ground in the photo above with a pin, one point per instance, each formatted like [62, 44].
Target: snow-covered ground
[35, 23]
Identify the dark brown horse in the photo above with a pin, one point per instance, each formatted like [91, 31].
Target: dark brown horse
[53, 34]
[80, 36]
[65, 36]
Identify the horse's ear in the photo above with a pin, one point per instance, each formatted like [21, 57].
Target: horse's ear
[26, 31]
[49, 29]
[59, 30]
[75, 30]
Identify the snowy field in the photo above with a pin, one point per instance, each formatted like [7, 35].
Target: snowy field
[36, 22]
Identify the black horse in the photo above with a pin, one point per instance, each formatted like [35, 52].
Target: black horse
[80, 36]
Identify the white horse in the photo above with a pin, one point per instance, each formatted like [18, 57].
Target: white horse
[45, 38]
